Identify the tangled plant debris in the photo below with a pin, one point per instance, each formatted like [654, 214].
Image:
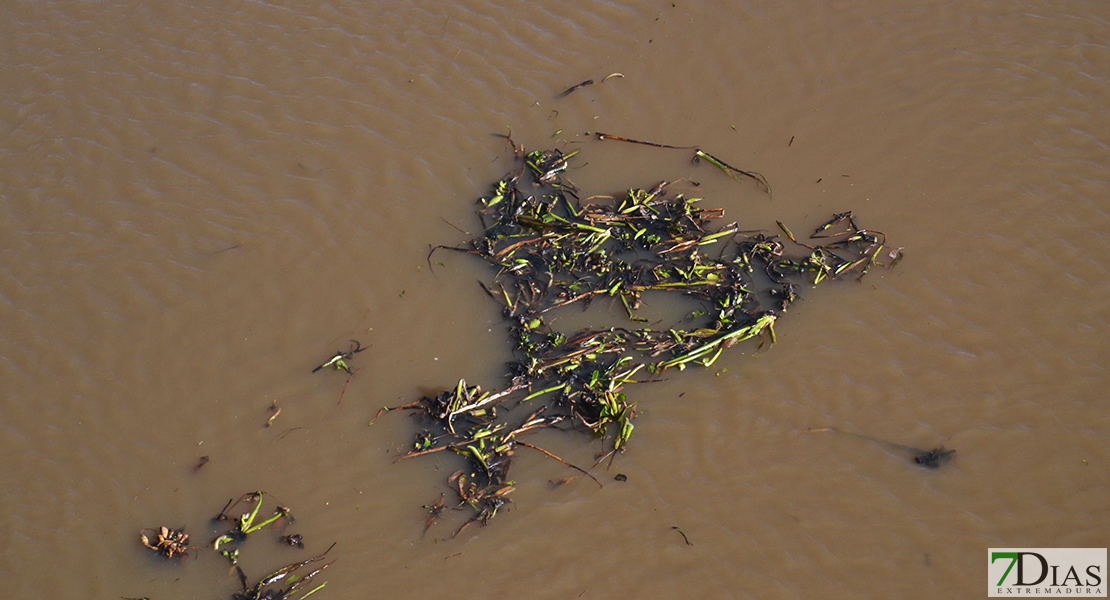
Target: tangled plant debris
[170, 542]
[245, 525]
[551, 248]
[282, 584]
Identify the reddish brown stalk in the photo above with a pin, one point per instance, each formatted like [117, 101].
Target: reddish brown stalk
[587, 473]
[342, 393]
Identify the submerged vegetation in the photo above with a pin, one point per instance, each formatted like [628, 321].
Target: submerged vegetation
[932, 458]
[551, 248]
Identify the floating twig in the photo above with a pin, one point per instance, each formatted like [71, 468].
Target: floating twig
[221, 251]
[684, 538]
[575, 87]
[606, 136]
[344, 390]
[550, 455]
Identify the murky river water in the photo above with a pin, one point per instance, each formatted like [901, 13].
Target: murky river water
[200, 201]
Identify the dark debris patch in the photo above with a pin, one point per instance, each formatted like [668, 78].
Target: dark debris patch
[550, 247]
[934, 458]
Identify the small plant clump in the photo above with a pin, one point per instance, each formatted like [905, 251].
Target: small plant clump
[245, 524]
[170, 542]
[282, 584]
[551, 249]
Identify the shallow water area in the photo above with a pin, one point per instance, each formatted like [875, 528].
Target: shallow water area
[201, 203]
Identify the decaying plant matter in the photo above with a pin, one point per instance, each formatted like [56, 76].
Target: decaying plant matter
[170, 542]
[933, 458]
[338, 360]
[284, 583]
[552, 249]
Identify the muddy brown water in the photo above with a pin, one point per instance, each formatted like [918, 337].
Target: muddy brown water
[201, 201]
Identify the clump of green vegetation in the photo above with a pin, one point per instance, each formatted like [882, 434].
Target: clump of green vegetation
[282, 584]
[551, 249]
[245, 524]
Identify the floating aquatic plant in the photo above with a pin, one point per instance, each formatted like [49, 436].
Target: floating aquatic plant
[282, 584]
[170, 542]
[550, 248]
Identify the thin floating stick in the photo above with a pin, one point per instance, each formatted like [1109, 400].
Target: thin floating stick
[575, 87]
[606, 136]
[587, 82]
[587, 473]
[341, 393]
[729, 170]
[385, 409]
[686, 539]
[239, 245]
